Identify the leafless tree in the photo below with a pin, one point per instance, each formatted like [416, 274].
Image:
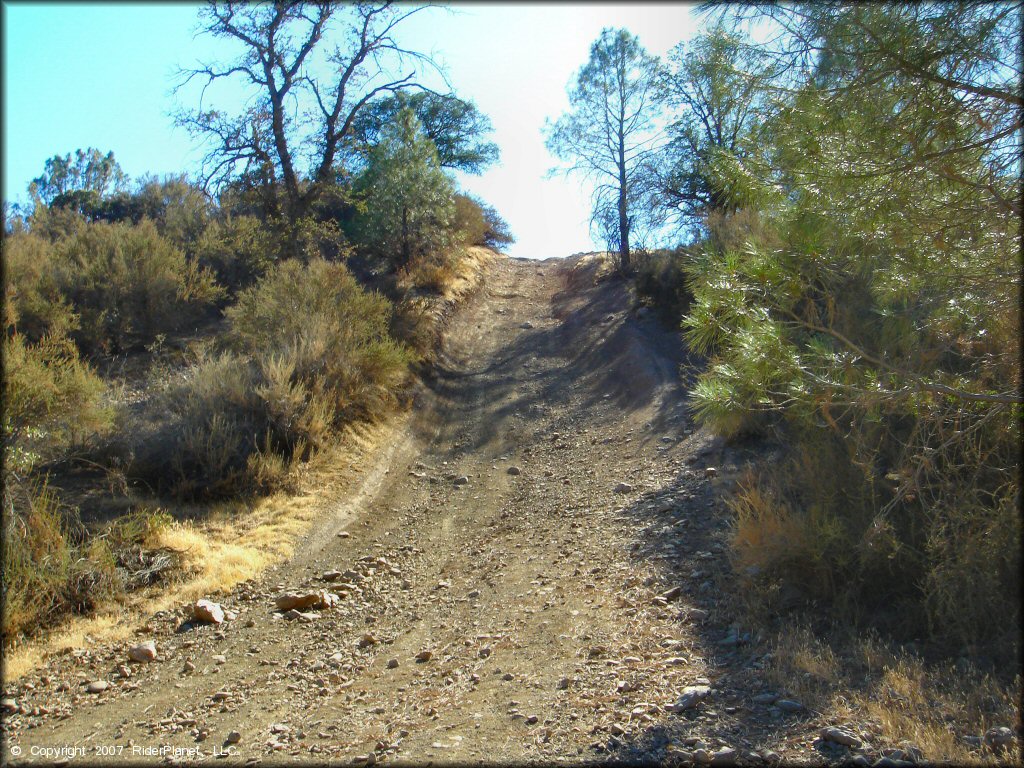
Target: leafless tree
[310, 68]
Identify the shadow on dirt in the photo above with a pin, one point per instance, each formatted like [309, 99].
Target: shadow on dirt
[594, 354]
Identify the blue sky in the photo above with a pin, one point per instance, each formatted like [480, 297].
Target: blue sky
[82, 74]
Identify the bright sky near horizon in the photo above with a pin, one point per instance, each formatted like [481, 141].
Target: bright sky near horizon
[83, 74]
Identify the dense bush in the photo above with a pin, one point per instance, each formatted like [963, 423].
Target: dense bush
[46, 574]
[309, 351]
[868, 314]
[479, 224]
[238, 250]
[34, 304]
[128, 284]
[51, 399]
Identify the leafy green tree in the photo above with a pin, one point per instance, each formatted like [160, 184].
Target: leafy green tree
[875, 317]
[80, 181]
[409, 201]
[609, 134]
[715, 86]
[455, 126]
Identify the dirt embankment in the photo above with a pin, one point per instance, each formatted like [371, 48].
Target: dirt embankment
[527, 574]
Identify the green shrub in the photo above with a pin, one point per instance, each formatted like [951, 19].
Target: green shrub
[33, 303]
[46, 574]
[477, 223]
[52, 399]
[129, 284]
[238, 250]
[309, 352]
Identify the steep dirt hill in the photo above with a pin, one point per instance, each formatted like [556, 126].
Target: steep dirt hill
[526, 575]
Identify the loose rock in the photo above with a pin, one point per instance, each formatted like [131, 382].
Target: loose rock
[301, 601]
[788, 705]
[461, 480]
[143, 652]
[207, 612]
[692, 696]
[998, 739]
[97, 686]
[514, 470]
[233, 738]
[841, 736]
[623, 488]
[423, 656]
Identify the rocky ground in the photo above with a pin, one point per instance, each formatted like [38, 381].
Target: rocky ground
[533, 578]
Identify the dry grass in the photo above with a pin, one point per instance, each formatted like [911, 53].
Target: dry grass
[236, 543]
[894, 699]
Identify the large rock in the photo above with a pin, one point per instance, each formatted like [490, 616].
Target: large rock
[300, 601]
[692, 696]
[998, 739]
[207, 612]
[143, 652]
[841, 736]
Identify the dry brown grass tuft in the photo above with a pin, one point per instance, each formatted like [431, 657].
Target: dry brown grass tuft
[235, 543]
[895, 699]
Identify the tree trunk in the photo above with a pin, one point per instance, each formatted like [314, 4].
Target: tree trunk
[405, 237]
[624, 264]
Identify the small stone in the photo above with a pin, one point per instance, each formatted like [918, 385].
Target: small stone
[461, 480]
[207, 612]
[221, 696]
[423, 656]
[710, 472]
[189, 667]
[392, 663]
[697, 614]
[219, 658]
[484, 652]
[143, 652]
[233, 738]
[563, 683]
[724, 756]
[672, 594]
[840, 736]
[691, 697]
[9, 705]
[616, 730]
[765, 698]
[526, 326]
[702, 756]
[623, 488]
[514, 470]
[97, 686]
[473, 594]
[332, 575]
[366, 641]
[343, 534]
[531, 720]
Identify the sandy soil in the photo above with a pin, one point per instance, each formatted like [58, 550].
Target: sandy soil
[544, 527]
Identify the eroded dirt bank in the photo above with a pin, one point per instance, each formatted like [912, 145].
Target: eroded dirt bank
[544, 529]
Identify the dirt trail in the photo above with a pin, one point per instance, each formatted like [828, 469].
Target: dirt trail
[564, 617]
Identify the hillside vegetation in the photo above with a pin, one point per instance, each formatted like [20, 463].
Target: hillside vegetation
[164, 348]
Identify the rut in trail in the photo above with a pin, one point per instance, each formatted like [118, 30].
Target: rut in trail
[543, 529]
